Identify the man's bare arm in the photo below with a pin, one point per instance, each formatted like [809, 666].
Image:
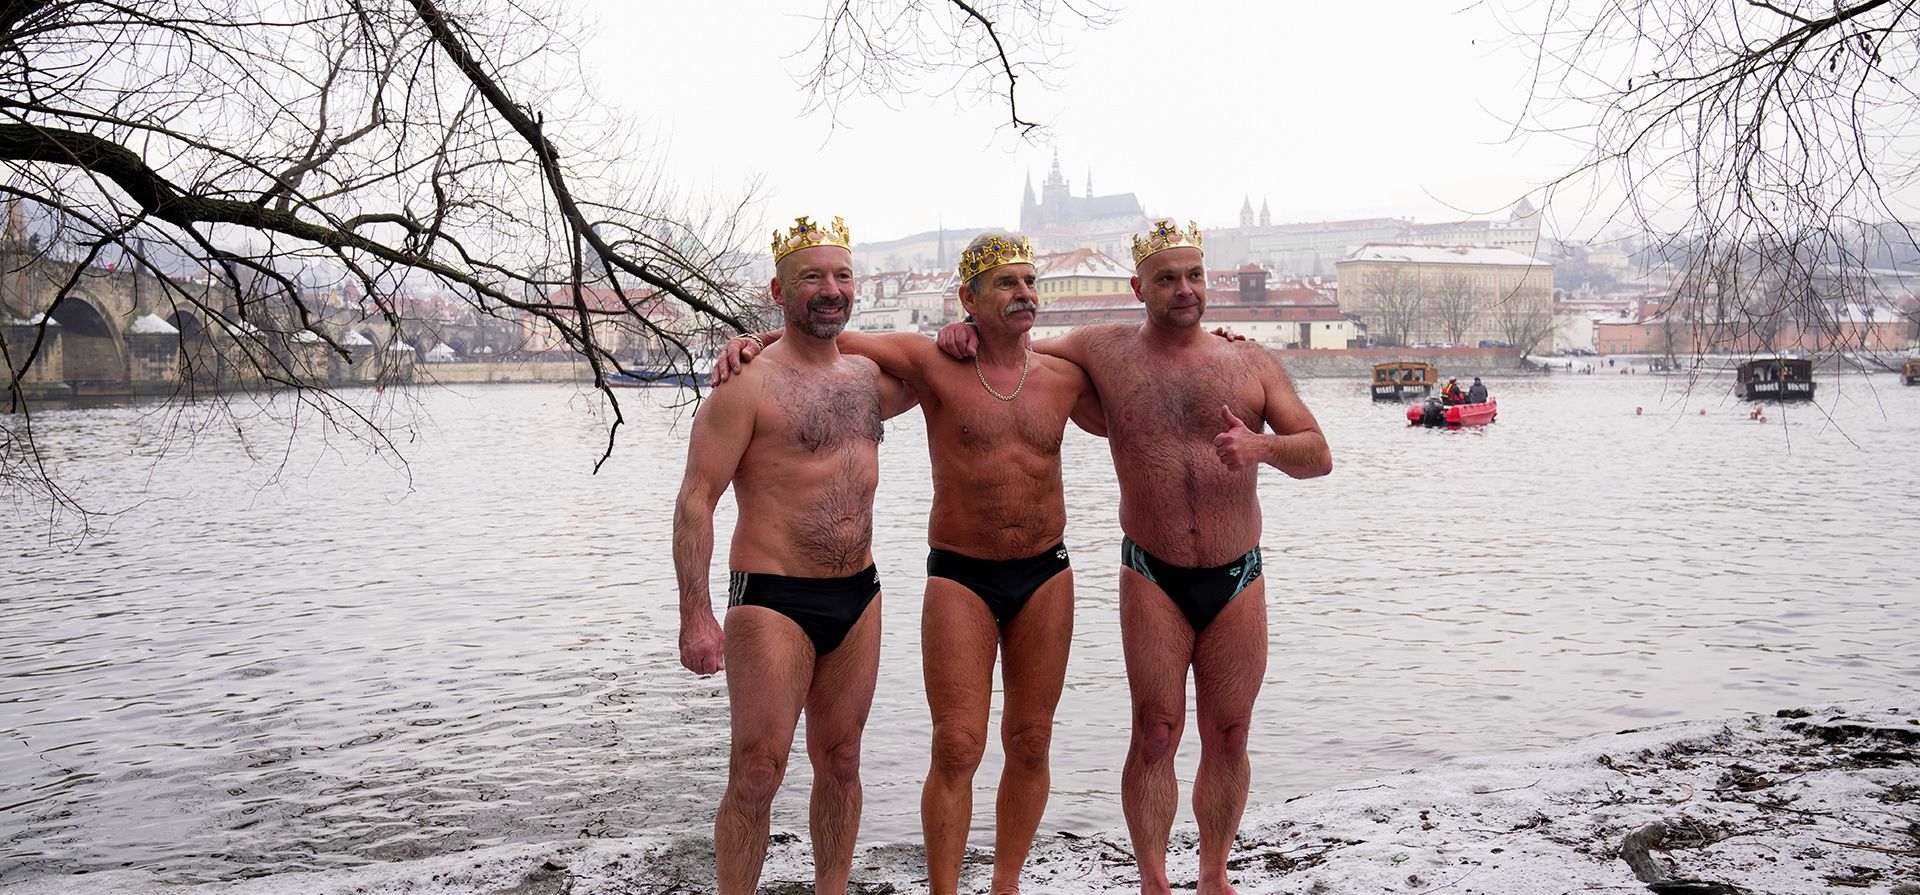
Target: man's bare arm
[902, 355]
[1088, 412]
[721, 432]
[1296, 446]
[1070, 346]
[896, 396]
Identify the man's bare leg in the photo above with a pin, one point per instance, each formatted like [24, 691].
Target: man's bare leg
[837, 706]
[1229, 664]
[1158, 644]
[769, 665]
[1033, 669]
[958, 639]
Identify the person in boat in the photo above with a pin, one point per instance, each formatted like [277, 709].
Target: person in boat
[1478, 393]
[1452, 393]
[998, 575]
[1189, 416]
[797, 437]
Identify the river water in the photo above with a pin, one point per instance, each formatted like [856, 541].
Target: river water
[283, 653]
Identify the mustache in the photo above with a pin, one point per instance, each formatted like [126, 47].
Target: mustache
[826, 304]
[1019, 305]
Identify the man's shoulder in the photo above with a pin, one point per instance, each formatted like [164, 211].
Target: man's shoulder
[1106, 331]
[1250, 351]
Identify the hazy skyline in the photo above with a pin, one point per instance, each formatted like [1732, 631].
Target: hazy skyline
[1320, 113]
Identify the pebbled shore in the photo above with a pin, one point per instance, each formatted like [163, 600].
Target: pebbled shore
[1818, 799]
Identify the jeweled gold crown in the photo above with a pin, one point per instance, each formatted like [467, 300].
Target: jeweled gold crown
[805, 234]
[1162, 237]
[996, 251]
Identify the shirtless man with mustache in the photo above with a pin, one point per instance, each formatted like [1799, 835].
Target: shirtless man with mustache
[998, 577]
[1193, 418]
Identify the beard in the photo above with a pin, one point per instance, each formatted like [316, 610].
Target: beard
[826, 329]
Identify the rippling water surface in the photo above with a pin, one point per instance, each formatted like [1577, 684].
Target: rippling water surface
[285, 654]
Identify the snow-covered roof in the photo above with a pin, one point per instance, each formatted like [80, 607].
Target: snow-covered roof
[1081, 263]
[151, 324]
[1422, 254]
[399, 345]
[35, 320]
[353, 339]
[306, 337]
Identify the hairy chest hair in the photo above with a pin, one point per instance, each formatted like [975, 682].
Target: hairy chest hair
[823, 412]
[1150, 399]
[1035, 420]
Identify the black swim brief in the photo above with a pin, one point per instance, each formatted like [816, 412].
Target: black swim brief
[1201, 594]
[824, 608]
[1005, 585]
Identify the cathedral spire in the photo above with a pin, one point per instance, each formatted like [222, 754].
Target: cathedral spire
[1246, 211]
[1266, 217]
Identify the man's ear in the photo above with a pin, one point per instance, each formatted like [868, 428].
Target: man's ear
[1134, 281]
[777, 287]
[966, 298]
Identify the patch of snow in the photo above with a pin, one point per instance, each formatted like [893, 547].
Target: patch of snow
[1802, 801]
[152, 324]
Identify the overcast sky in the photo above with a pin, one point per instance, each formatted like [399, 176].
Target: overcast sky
[1325, 111]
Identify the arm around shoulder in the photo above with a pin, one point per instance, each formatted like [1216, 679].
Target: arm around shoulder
[901, 355]
[1088, 413]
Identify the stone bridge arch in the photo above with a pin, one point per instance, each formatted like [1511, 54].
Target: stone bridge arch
[93, 353]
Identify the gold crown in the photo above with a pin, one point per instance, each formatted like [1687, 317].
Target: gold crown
[997, 250]
[805, 234]
[1162, 237]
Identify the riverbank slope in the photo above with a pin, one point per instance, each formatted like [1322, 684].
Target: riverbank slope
[1806, 800]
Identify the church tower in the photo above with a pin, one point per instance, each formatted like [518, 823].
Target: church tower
[1029, 209]
[1246, 211]
[1054, 193]
[1266, 217]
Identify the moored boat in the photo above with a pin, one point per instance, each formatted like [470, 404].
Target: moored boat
[1435, 413]
[649, 378]
[1403, 379]
[1910, 373]
[1775, 379]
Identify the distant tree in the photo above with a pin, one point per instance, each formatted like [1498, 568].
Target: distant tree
[1453, 305]
[1760, 142]
[245, 153]
[1525, 318]
[1395, 302]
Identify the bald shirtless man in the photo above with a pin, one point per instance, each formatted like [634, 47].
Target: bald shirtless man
[1187, 415]
[998, 578]
[798, 437]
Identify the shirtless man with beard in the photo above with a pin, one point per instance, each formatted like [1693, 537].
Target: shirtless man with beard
[1187, 415]
[998, 577]
[798, 438]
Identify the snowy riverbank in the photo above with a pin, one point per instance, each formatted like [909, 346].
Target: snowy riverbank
[1808, 800]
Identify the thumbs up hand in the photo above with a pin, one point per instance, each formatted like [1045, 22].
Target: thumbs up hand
[1237, 445]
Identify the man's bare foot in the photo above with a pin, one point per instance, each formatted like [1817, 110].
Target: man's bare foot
[1220, 886]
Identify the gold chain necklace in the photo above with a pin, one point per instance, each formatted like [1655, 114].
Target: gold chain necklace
[1026, 360]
